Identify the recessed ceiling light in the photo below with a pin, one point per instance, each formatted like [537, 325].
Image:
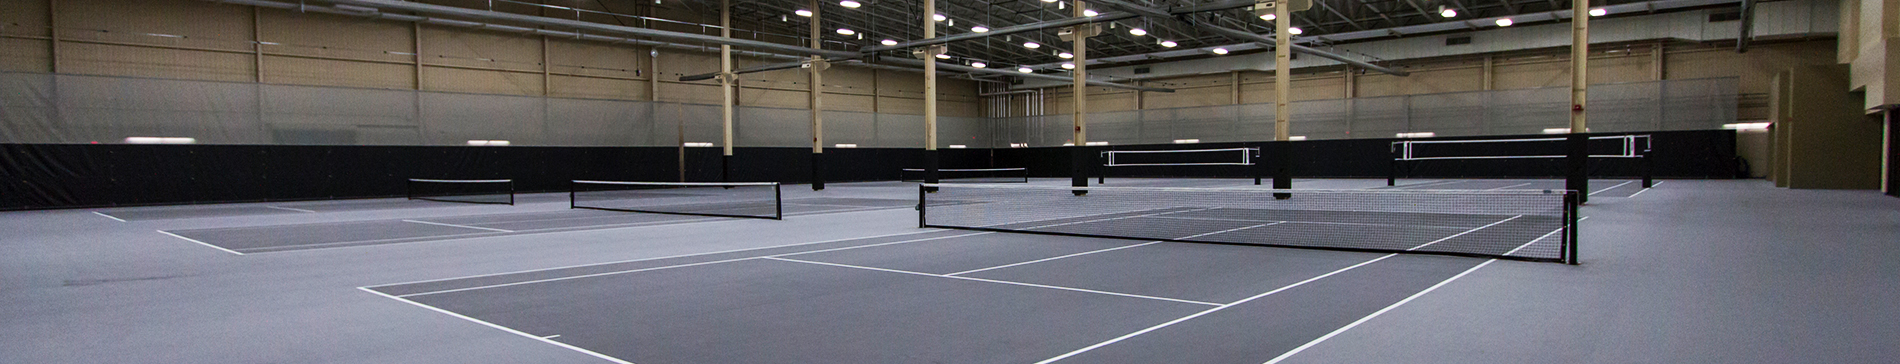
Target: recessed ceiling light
[846, 31]
[849, 4]
[1137, 32]
[1220, 50]
[1504, 22]
[803, 13]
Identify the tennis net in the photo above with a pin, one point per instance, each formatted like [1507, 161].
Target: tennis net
[482, 191]
[725, 199]
[1181, 163]
[1522, 225]
[980, 175]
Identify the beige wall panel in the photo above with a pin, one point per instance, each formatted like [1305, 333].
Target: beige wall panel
[1444, 80]
[471, 48]
[1253, 91]
[691, 93]
[24, 17]
[773, 97]
[1186, 97]
[1531, 75]
[843, 102]
[315, 34]
[850, 76]
[323, 72]
[599, 88]
[213, 25]
[1754, 68]
[674, 63]
[1622, 67]
[1107, 101]
[899, 105]
[481, 82]
[598, 59]
[958, 109]
[97, 59]
[28, 55]
[1379, 84]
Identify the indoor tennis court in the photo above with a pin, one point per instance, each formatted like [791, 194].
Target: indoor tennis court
[920, 181]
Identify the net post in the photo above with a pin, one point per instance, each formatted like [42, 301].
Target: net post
[511, 192]
[1572, 199]
[409, 188]
[1392, 168]
[778, 201]
[1078, 169]
[1252, 157]
[571, 194]
[817, 178]
[1578, 173]
[1281, 161]
[1649, 169]
[923, 193]
[1101, 175]
[931, 160]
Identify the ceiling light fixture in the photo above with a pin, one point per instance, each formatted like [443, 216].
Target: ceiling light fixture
[1504, 22]
[1025, 70]
[1168, 43]
[979, 64]
[1065, 55]
[1220, 50]
[1068, 66]
[980, 29]
[803, 13]
[1090, 13]
[888, 42]
[1137, 32]
[1268, 17]
[1031, 45]
[1599, 12]
[939, 17]
[849, 4]
[845, 31]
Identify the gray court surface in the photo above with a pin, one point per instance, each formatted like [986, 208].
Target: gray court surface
[1686, 272]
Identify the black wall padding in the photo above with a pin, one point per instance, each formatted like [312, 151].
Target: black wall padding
[1678, 154]
[39, 176]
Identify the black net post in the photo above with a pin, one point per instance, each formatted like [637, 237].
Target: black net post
[725, 168]
[1258, 165]
[817, 165]
[931, 160]
[1079, 161]
[571, 193]
[923, 198]
[1572, 199]
[1578, 173]
[1280, 159]
[1392, 169]
[778, 202]
[511, 192]
[1649, 168]
[1101, 175]
[409, 188]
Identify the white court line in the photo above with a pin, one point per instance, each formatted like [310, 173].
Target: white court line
[1427, 184]
[675, 266]
[200, 242]
[1540, 238]
[550, 336]
[1376, 314]
[1515, 185]
[1310, 222]
[1053, 258]
[109, 216]
[291, 209]
[459, 226]
[1611, 187]
[996, 281]
[1104, 219]
[654, 258]
[1463, 233]
[1211, 310]
[1633, 195]
[498, 327]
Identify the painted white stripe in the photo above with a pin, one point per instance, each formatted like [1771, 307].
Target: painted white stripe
[291, 209]
[996, 281]
[200, 242]
[1311, 222]
[1376, 314]
[1208, 311]
[672, 266]
[1106, 219]
[1540, 238]
[498, 327]
[1506, 187]
[657, 258]
[1053, 258]
[459, 226]
[1463, 233]
[109, 216]
[1611, 188]
[1633, 195]
[550, 336]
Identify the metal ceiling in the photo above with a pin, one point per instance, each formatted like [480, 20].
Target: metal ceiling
[898, 20]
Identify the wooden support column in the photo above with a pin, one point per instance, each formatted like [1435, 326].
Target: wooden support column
[817, 68]
[1490, 78]
[726, 81]
[52, 33]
